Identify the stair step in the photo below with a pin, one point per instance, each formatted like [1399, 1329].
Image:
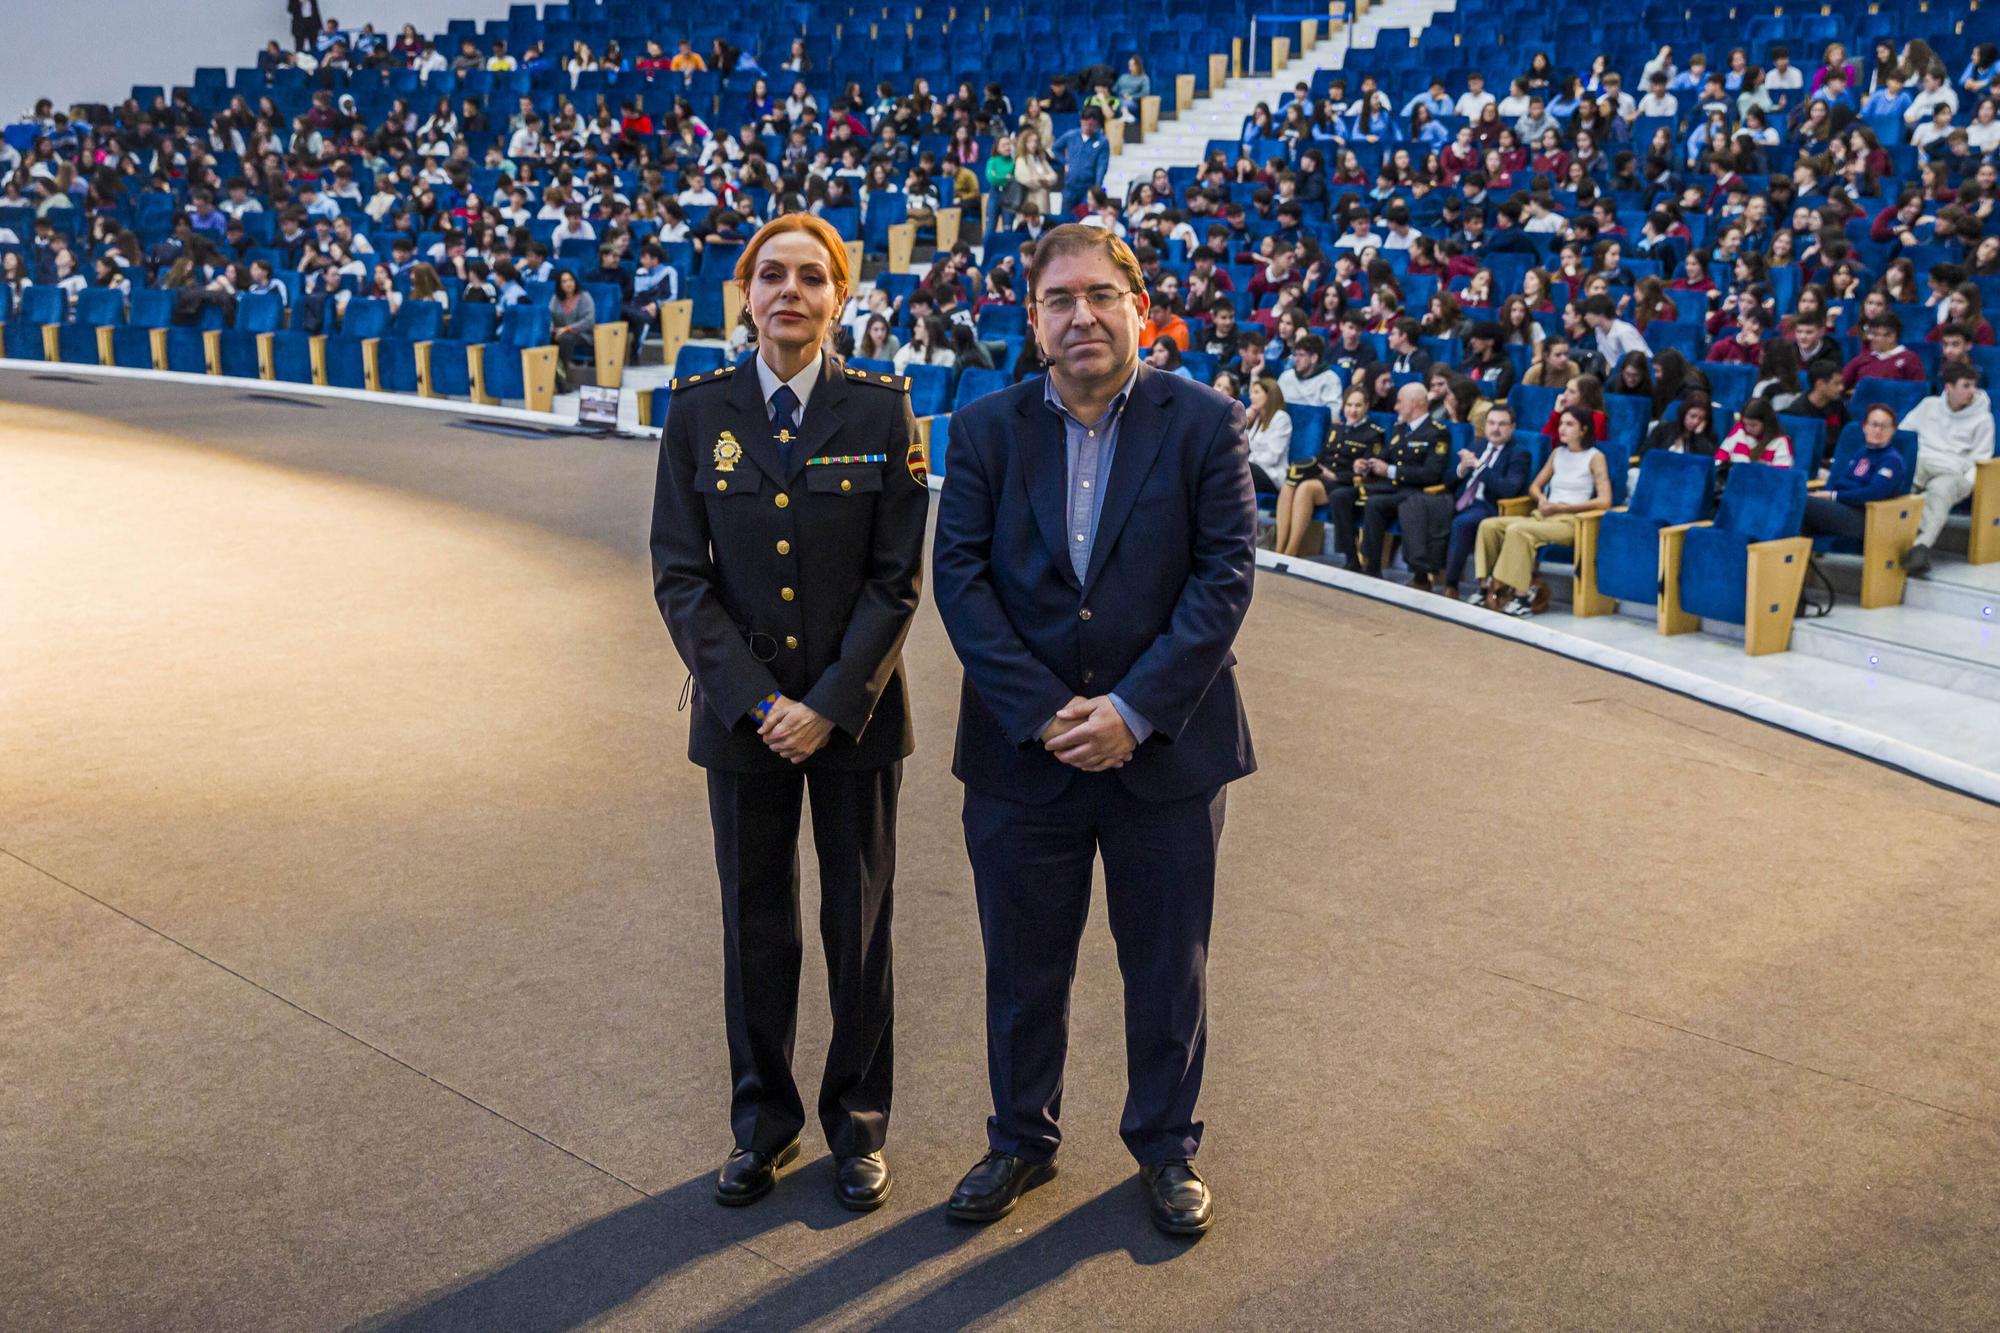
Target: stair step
[1931, 647]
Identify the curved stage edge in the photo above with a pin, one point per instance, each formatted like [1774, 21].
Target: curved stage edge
[361, 967]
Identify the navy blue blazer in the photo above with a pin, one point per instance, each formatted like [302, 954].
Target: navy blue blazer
[1506, 478]
[1153, 619]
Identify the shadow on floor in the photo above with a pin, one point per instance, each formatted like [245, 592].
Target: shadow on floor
[586, 1273]
[1113, 1222]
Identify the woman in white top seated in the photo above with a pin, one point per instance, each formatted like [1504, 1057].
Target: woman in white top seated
[1270, 435]
[1572, 482]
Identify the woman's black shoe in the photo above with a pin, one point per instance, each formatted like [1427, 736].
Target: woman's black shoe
[748, 1175]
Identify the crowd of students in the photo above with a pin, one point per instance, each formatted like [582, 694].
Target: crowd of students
[1511, 209]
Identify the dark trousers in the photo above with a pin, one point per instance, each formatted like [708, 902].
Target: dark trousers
[756, 821]
[1342, 508]
[1426, 523]
[1376, 511]
[1031, 867]
[1831, 518]
[1262, 482]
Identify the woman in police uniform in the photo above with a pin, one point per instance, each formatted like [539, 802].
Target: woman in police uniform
[788, 529]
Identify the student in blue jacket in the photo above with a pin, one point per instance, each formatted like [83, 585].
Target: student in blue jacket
[1876, 473]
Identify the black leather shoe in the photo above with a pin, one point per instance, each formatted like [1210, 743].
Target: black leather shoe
[862, 1184]
[1917, 562]
[748, 1175]
[991, 1189]
[1178, 1197]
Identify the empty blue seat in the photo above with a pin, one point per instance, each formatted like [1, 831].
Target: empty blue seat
[366, 319]
[695, 359]
[975, 383]
[1729, 383]
[187, 352]
[416, 322]
[1672, 488]
[96, 308]
[930, 388]
[40, 307]
[1759, 504]
[1900, 395]
[255, 314]
[521, 327]
[995, 320]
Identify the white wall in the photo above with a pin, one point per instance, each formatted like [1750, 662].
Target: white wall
[96, 50]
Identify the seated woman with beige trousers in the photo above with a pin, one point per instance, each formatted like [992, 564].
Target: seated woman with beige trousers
[1573, 481]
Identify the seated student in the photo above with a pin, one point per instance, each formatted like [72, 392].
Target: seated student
[1587, 393]
[1331, 479]
[1885, 357]
[1758, 438]
[1270, 435]
[1439, 530]
[1573, 481]
[655, 284]
[1746, 348]
[1552, 367]
[1824, 400]
[1306, 380]
[1876, 474]
[1954, 435]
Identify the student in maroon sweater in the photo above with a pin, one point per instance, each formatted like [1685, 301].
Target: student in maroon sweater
[1885, 358]
[1746, 348]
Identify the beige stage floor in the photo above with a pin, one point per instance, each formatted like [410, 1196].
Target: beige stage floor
[360, 958]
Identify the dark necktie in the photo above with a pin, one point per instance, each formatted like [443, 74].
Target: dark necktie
[785, 421]
[1470, 491]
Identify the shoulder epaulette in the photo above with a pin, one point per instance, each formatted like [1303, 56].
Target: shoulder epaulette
[900, 383]
[699, 377]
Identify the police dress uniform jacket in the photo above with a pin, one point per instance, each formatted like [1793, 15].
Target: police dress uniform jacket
[794, 572]
[1419, 455]
[1152, 620]
[1347, 444]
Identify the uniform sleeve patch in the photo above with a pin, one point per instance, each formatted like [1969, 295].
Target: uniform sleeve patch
[919, 462]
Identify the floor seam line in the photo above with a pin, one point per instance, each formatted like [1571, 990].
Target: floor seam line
[327, 1022]
[1736, 1046]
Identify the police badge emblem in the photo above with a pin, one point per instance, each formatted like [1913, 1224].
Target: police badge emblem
[727, 451]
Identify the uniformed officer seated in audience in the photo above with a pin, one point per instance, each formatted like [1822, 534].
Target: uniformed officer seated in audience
[1440, 530]
[1412, 459]
[1353, 440]
[1313, 481]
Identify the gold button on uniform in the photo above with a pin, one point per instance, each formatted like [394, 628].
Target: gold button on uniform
[786, 593]
[784, 547]
[791, 641]
[846, 485]
[783, 499]
[721, 485]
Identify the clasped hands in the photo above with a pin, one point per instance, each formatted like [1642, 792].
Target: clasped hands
[794, 731]
[1090, 734]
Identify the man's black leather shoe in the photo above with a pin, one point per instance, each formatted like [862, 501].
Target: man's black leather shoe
[748, 1175]
[991, 1189]
[1178, 1198]
[862, 1183]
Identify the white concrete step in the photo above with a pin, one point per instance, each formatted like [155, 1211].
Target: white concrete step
[1932, 647]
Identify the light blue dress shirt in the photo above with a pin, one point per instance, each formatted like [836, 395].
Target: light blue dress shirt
[1088, 450]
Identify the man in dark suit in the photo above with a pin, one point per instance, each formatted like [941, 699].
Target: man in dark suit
[1095, 545]
[1440, 530]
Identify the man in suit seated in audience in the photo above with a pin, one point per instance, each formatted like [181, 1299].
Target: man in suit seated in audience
[1439, 531]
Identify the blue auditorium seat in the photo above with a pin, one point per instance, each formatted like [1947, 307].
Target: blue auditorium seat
[995, 320]
[416, 324]
[1672, 488]
[1900, 395]
[694, 359]
[1729, 383]
[930, 388]
[1761, 507]
[39, 308]
[522, 327]
[256, 315]
[974, 383]
[366, 319]
[96, 308]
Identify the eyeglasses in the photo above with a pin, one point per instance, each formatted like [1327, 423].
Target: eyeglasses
[1103, 300]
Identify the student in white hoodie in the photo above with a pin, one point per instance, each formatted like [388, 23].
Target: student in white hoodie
[1954, 435]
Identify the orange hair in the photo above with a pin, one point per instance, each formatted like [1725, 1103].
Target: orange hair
[819, 229]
